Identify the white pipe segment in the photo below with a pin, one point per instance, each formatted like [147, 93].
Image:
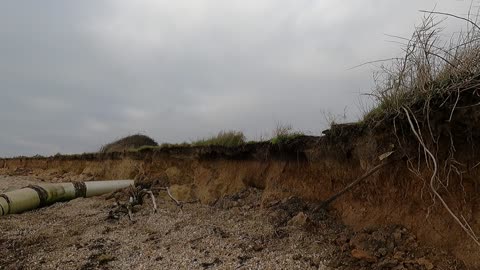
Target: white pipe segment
[20, 200]
[95, 188]
[35, 196]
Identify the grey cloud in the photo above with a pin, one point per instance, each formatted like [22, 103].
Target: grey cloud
[76, 74]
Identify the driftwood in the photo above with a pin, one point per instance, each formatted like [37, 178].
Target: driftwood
[178, 203]
[127, 198]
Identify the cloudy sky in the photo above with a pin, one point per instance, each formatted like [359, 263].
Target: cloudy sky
[77, 74]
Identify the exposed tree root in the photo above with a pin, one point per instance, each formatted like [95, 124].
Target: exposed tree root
[465, 226]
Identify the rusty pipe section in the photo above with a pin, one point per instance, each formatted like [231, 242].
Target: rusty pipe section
[36, 196]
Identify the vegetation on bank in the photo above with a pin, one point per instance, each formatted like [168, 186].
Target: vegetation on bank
[435, 72]
[130, 142]
[223, 138]
[282, 134]
[430, 98]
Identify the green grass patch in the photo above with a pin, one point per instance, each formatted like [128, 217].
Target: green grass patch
[223, 138]
[283, 134]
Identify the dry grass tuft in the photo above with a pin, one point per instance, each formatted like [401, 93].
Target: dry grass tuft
[432, 71]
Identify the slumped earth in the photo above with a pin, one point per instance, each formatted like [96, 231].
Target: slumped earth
[234, 233]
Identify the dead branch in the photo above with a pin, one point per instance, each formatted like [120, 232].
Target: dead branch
[373, 62]
[177, 202]
[149, 192]
[452, 15]
[126, 199]
[350, 186]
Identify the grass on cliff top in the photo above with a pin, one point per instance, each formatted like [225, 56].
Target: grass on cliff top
[433, 67]
[223, 138]
[282, 134]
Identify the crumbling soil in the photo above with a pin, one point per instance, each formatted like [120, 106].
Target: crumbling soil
[234, 232]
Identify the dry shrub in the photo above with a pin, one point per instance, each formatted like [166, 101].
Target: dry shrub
[128, 143]
[431, 69]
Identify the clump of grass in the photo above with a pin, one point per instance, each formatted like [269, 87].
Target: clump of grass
[223, 138]
[283, 134]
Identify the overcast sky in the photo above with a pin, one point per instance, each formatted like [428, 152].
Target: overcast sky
[77, 74]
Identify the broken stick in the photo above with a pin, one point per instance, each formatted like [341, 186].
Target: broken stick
[355, 183]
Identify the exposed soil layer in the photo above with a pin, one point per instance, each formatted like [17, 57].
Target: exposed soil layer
[310, 168]
[233, 233]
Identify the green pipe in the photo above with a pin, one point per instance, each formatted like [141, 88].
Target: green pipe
[35, 196]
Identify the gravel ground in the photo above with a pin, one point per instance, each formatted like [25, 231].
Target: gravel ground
[78, 235]
[235, 233]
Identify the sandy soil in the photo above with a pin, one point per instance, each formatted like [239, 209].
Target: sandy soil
[235, 233]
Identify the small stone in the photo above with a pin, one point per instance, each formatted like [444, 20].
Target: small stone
[387, 263]
[399, 255]
[257, 247]
[297, 257]
[300, 220]
[377, 236]
[363, 255]
[399, 267]
[341, 240]
[359, 241]
[422, 261]
[382, 251]
[397, 236]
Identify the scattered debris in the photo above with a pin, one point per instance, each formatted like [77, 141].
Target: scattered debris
[127, 198]
[387, 247]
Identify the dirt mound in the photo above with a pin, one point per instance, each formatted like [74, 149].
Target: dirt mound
[127, 143]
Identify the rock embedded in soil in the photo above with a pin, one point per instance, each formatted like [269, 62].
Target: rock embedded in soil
[300, 220]
[364, 255]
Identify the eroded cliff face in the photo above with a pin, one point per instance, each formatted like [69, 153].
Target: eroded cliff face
[312, 168]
